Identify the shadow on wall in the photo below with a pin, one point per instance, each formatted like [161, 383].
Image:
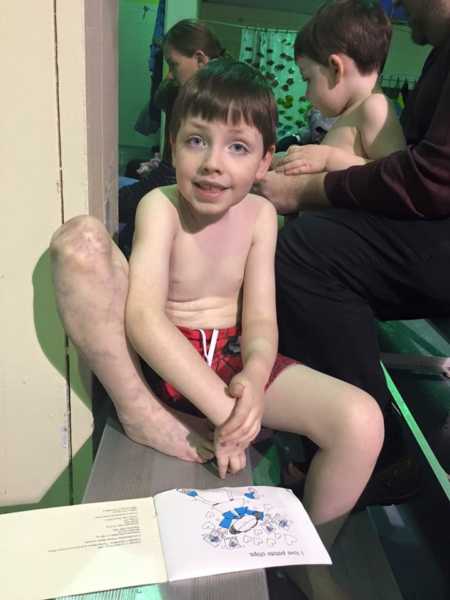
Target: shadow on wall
[50, 332]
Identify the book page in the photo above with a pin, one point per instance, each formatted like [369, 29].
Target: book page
[206, 532]
[53, 552]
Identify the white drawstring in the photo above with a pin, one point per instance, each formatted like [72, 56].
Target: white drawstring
[208, 353]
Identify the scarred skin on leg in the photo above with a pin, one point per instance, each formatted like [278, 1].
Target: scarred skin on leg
[90, 277]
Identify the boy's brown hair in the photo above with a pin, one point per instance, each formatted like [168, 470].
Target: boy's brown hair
[359, 29]
[228, 91]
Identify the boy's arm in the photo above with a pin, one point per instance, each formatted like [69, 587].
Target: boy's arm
[155, 338]
[259, 339]
[317, 158]
[380, 132]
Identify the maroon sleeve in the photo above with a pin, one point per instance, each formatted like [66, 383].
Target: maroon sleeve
[409, 184]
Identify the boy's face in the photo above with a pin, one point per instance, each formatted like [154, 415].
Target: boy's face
[217, 163]
[319, 86]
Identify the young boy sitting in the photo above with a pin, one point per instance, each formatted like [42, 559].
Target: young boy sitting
[340, 53]
[201, 302]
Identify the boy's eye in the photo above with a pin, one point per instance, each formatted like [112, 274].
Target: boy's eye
[195, 141]
[239, 148]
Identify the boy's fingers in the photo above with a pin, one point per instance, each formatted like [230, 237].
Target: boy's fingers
[241, 419]
[295, 167]
[222, 465]
[233, 426]
[236, 390]
[242, 439]
[237, 417]
[245, 436]
[237, 462]
[239, 431]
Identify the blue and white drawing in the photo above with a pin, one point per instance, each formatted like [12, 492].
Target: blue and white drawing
[237, 518]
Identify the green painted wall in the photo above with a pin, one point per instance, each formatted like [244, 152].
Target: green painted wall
[136, 24]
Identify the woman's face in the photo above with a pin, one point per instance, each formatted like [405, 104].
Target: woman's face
[181, 67]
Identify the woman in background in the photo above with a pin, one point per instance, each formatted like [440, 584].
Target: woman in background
[187, 46]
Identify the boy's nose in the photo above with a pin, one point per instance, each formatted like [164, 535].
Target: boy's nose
[212, 160]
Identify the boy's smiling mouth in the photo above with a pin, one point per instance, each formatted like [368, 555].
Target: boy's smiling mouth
[209, 186]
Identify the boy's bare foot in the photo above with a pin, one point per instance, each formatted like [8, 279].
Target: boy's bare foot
[184, 437]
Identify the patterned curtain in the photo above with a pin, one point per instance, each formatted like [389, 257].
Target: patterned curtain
[271, 51]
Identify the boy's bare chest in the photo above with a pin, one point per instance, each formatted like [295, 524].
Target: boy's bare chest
[209, 263]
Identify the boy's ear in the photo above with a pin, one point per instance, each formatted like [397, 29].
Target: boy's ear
[201, 58]
[337, 67]
[265, 163]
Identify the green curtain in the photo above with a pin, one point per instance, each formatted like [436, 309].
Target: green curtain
[271, 51]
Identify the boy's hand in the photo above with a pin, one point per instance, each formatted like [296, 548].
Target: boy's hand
[312, 158]
[173, 433]
[229, 459]
[244, 423]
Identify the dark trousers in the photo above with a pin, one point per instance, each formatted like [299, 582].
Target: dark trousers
[339, 270]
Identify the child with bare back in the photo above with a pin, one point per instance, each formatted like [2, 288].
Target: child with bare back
[340, 53]
[201, 301]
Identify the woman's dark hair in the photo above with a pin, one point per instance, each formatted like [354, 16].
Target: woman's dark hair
[359, 29]
[188, 36]
[228, 91]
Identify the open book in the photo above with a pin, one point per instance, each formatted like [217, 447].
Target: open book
[178, 534]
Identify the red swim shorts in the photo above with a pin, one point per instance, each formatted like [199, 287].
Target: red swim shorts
[221, 349]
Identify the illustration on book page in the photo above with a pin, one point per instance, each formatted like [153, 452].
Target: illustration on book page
[237, 518]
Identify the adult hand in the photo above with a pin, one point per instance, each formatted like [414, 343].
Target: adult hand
[289, 194]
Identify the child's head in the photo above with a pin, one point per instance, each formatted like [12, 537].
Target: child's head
[359, 29]
[342, 32]
[228, 91]
[189, 45]
[223, 131]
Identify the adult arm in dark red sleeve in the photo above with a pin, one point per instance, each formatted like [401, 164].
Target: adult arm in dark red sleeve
[410, 183]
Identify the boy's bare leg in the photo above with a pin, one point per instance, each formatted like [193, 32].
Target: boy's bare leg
[347, 426]
[91, 283]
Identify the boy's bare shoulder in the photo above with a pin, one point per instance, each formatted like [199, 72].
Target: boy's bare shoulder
[162, 194]
[159, 206]
[159, 201]
[375, 103]
[260, 204]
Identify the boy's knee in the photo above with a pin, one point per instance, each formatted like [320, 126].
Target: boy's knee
[363, 421]
[80, 242]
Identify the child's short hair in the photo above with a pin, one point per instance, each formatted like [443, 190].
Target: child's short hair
[359, 29]
[228, 90]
